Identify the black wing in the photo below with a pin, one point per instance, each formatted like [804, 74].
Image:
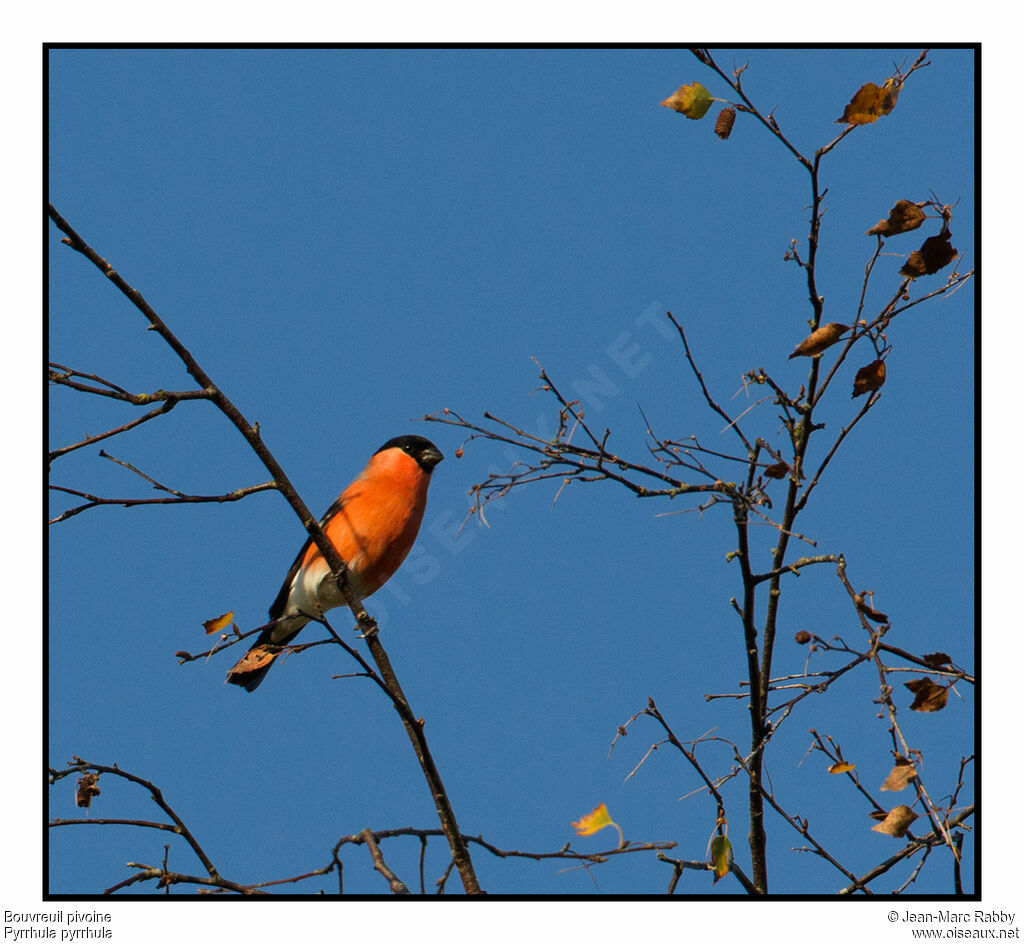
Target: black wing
[277, 607]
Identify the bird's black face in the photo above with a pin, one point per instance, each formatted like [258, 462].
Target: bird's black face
[420, 448]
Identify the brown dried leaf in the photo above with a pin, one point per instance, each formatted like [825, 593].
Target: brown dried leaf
[868, 610]
[802, 637]
[777, 471]
[896, 822]
[820, 340]
[927, 695]
[935, 253]
[87, 789]
[937, 659]
[903, 217]
[218, 623]
[869, 378]
[900, 775]
[257, 658]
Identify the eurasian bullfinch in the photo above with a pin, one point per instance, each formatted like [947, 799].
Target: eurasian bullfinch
[372, 524]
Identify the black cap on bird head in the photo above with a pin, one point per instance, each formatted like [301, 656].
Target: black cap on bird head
[420, 448]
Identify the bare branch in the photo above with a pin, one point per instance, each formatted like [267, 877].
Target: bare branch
[164, 407]
[397, 886]
[60, 375]
[730, 422]
[79, 766]
[338, 567]
[922, 842]
[95, 501]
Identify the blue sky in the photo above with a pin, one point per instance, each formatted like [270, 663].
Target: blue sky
[349, 239]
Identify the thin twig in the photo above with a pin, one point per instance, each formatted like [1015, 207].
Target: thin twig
[179, 498]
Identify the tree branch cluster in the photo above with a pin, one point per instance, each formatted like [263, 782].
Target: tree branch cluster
[765, 480]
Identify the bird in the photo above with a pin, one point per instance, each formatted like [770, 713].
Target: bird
[372, 524]
[818, 341]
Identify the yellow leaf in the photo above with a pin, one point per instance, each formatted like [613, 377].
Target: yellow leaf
[721, 857]
[870, 102]
[218, 623]
[596, 819]
[841, 768]
[863, 107]
[692, 100]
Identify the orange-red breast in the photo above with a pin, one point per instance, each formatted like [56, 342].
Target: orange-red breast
[372, 524]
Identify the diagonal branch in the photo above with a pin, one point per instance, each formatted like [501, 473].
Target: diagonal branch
[250, 431]
[164, 407]
[704, 387]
